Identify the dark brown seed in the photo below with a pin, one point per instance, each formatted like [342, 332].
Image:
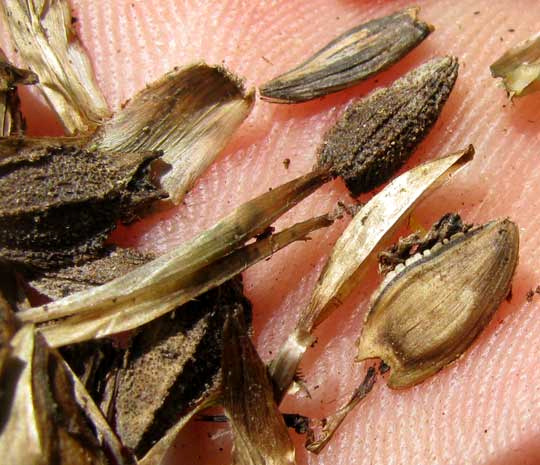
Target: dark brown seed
[352, 57]
[112, 263]
[377, 135]
[172, 366]
[58, 203]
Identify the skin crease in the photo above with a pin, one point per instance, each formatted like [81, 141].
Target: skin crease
[484, 409]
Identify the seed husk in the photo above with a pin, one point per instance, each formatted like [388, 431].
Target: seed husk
[519, 67]
[11, 119]
[350, 58]
[354, 251]
[427, 312]
[50, 419]
[189, 114]
[43, 34]
[376, 135]
[173, 365]
[260, 435]
[58, 202]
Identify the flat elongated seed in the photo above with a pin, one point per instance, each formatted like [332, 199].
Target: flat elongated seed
[352, 57]
[428, 312]
[58, 202]
[519, 67]
[377, 135]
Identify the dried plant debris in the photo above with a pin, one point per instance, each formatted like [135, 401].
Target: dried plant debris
[7, 330]
[519, 67]
[43, 34]
[190, 114]
[47, 419]
[430, 309]
[58, 203]
[353, 252]
[377, 135]
[316, 442]
[173, 366]
[352, 57]
[163, 284]
[11, 119]
[112, 263]
[260, 436]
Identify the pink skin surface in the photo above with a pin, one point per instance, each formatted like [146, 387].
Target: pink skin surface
[485, 408]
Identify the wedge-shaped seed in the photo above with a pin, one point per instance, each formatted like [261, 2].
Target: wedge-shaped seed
[189, 114]
[519, 67]
[58, 203]
[376, 135]
[11, 119]
[427, 312]
[51, 418]
[352, 57]
[260, 436]
[43, 34]
[173, 365]
[354, 251]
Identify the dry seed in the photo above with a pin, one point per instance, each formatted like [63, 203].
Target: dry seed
[520, 67]
[111, 263]
[350, 58]
[58, 203]
[427, 312]
[377, 135]
[172, 366]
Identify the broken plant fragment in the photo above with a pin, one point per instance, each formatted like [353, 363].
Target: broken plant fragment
[354, 250]
[11, 119]
[48, 417]
[519, 67]
[163, 284]
[189, 114]
[429, 310]
[316, 442]
[260, 436]
[7, 330]
[42, 32]
[350, 58]
[173, 366]
[377, 135]
[58, 202]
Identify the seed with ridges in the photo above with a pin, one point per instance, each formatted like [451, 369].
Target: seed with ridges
[426, 315]
[350, 58]
[376, 136]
